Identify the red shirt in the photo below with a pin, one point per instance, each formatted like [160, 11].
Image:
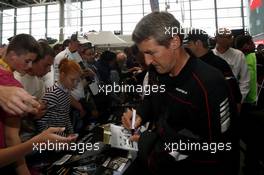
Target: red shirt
[7, 79]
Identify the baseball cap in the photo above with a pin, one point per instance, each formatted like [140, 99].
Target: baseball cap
[197, 34]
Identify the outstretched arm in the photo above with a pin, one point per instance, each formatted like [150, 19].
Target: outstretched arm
[13, 153]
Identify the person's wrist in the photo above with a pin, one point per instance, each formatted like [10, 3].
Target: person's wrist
[38, 138]
[35, 139]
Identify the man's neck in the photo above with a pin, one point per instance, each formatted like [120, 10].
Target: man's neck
[221, 49]
[183, 57]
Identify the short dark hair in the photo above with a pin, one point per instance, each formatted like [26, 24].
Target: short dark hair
[154, 25]
[198, 34]
[74, 37]
[241, 40]
[66, 43]
[45, 50]
[260, 47]
[43, 40]
[22, 44]
[57, 46]
[107, 56]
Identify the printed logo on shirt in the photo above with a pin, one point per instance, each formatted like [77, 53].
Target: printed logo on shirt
[181, 91]
[225, 115]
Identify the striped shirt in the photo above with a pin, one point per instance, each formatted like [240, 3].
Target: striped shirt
[58, 109]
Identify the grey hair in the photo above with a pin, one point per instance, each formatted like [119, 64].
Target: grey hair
[156, 25]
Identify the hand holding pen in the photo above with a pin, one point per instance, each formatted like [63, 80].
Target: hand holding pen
[131, 123]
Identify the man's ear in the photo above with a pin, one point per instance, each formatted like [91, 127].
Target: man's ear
[12, 56]
[175, 42]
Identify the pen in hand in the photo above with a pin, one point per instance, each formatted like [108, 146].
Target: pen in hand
[133, 121]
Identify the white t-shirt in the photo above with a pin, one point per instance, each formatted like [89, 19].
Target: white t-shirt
[237, 61]
[49, 78]
[32, 84]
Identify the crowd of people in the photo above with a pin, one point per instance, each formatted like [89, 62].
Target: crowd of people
[212, 96]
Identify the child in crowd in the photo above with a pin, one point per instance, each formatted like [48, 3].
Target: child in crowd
[58, 97]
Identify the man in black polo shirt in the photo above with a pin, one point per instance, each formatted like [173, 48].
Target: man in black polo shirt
[192, 118]
[198, 43]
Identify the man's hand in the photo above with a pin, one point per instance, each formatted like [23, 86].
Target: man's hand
[17, 101]
[127, 123]
[88, 73]
[41, 110]
[135, 69]
[135, 137]
[127, 117]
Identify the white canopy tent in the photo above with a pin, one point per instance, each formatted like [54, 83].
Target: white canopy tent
[104, 38]
[127, 39]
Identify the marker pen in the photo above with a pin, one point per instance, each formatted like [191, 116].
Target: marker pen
[133, 121]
